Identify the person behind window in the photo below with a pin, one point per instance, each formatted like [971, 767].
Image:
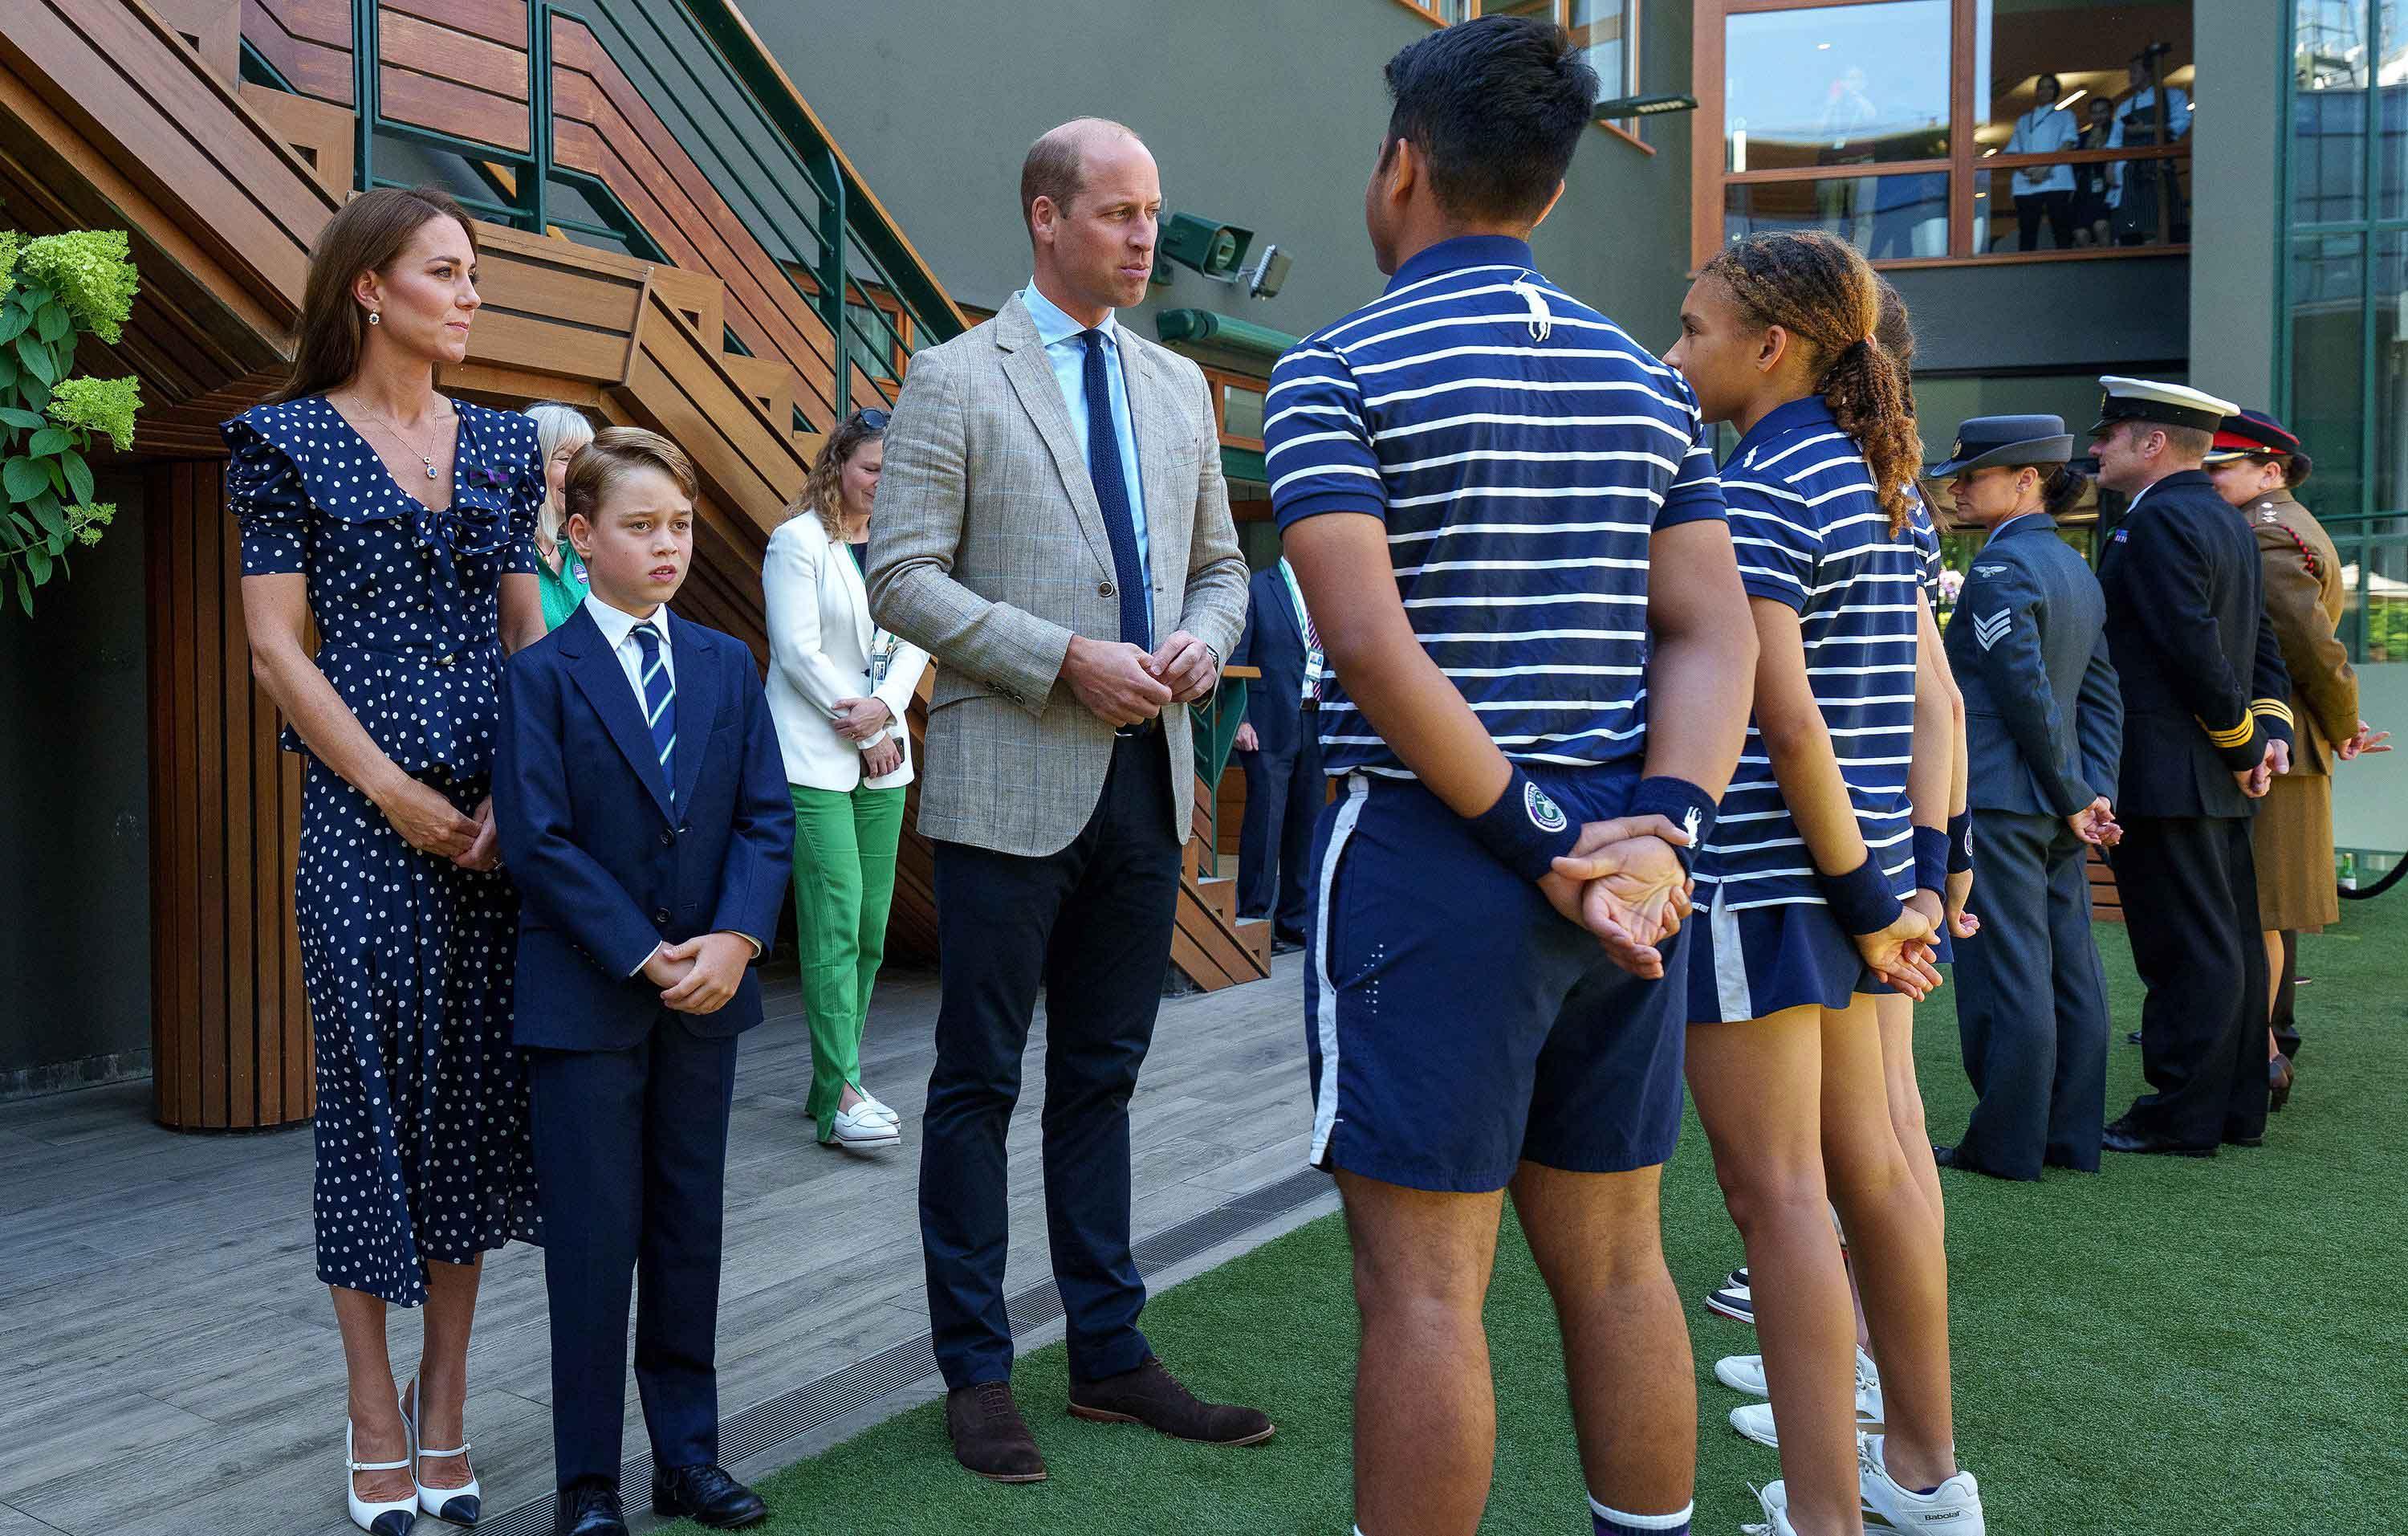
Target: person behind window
[560, 432]
[2145, 194]
[2093, 182]
[2044, 190]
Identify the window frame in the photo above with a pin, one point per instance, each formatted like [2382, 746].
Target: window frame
[1964, 163]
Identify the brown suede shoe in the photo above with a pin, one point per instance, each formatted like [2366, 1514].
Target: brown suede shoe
[1153, 1397]
[989, 1436]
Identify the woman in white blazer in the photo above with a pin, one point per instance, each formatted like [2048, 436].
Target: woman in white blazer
[838, 690]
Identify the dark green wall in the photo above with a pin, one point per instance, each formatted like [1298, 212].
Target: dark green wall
[75, 851]
[1265, 113]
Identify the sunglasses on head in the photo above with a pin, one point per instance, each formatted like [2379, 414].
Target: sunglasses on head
[872, 421]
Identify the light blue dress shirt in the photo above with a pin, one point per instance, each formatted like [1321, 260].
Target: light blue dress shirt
[1068, 355]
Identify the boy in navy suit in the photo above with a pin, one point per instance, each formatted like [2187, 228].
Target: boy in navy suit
[642, 808]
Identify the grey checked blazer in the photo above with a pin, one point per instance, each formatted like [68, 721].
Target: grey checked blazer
[988, 550]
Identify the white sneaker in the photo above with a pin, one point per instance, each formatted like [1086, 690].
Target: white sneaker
[1745, 1373]
[1754, 1420]
[1954, 1507]
[1733, 1299]
[855, 1129]
[1774, 1496]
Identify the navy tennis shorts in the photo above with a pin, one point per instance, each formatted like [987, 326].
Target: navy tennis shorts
[1456, 1025]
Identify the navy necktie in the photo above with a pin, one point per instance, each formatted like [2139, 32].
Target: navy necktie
[660, 702]
[1111, 494]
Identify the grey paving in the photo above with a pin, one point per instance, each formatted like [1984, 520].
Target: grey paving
[170, 1364]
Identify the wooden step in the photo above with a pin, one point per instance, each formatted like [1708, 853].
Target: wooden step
[767, 380]
[1255, 934]
[1220, 891]
[699, 298]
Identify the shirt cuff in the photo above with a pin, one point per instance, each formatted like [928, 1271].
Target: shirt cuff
[645, 961]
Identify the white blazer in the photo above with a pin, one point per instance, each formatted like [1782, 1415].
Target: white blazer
[821, 643]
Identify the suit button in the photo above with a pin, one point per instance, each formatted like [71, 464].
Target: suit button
[1103, 589]
[668, 837]
[661, 917]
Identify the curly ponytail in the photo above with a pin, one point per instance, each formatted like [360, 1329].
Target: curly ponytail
[1820, 290]
[2061, 489]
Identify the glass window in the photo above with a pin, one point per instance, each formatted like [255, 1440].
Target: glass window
[1891, 217]
[1609, 30]
[2329, 69]
[1836, 85]
[2324, 290]
[2391, 107]
[2384, 618]
[2389, 335]
[1241, 412]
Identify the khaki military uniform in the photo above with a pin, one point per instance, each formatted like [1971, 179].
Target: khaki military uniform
[2292, 837]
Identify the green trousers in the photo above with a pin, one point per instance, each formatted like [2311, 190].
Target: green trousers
[844, 886]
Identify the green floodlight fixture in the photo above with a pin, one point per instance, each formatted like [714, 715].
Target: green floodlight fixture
[1644, 106]
[1215, 250]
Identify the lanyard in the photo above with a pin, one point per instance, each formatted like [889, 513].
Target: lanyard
[1314, 666]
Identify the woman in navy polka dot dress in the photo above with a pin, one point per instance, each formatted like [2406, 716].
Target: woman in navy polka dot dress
[401, 522]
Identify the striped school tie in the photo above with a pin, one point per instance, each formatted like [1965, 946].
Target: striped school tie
[660, 702]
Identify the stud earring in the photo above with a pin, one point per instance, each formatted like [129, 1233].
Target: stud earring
[375, 318]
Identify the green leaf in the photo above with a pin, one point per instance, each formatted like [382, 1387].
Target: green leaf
[47, 512]
[53, 321]
[50, 439]
[8, 369]
[58, 477]
[37, 360]
[24, 590]
[78, 476]
[32, 420]
[23, 479]
[19, 522]
[37, 560]
[14, 318]
[35, 393]
[58, 545]
[33, 298]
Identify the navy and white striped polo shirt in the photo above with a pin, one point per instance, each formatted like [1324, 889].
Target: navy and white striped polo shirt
[1520, 449]
[1926, 546]
[1808, 530]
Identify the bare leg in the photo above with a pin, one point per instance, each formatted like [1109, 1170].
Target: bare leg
[443, 1369]
[1897, 1016]
[2273, 939]
[1753, 1085]
[376, 1434]
[1894, 1242]
[1598, 1241]
[1425, 1405]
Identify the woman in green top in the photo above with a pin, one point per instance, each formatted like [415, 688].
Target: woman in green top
[562, 430]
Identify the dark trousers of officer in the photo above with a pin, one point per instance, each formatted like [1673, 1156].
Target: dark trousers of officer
[630, 1158]
[1284, 794]
[1091, 924]
[2189, 890]
[2286, 1015]
[2037, 1055]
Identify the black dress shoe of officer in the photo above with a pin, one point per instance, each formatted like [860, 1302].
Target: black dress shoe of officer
[2280, 1071]
[1956, 1158]
[589, 1512]
[707, 1495]
[2123, 1136]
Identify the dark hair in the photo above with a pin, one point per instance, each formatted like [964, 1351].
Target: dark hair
[2060, 488]
[1894, 329]
[2296, 469]
[1819, 288]
[1056, 164]
[365, 235]
[616, 451]
[1497, 106]
[820, 493]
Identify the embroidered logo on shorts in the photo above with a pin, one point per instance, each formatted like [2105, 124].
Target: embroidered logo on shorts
[1544, 813]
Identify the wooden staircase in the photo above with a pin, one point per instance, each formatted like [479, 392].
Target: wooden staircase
[224, 184]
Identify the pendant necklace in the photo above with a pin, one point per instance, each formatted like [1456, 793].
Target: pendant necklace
[426, 459]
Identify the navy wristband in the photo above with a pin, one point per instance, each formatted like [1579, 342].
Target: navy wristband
[1525, 830]
[1960, 843]
[1682, 804]
[1861, 899]
[1931, 860]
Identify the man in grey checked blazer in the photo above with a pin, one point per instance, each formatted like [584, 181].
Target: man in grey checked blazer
[1053, 528]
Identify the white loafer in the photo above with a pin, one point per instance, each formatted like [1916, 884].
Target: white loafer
[876, 1109]
[855, 1129]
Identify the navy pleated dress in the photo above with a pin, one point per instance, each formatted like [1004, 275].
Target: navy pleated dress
[422, 1124]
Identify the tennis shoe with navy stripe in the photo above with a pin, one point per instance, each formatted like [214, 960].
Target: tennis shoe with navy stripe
[1952, 1509]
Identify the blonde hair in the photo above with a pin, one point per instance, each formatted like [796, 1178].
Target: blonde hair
[822, 492]
[556, 426]
[616, 451]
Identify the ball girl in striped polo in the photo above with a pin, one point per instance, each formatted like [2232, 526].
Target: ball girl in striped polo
[1809, 889]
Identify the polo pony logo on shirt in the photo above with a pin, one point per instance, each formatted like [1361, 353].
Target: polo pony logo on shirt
[1689, 825]
[1544, 813]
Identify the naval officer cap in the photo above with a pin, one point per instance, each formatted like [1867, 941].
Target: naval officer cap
[2159, 405]
[2252, 434]
[1986, 440]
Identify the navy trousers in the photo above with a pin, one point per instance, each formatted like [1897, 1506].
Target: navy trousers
[1091, 924]
[2037, 1055]
[2189, 886]
[630, 1161]
[1284, 794]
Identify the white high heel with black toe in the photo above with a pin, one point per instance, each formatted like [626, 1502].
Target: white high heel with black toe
[378, 1517]
[461, 1506]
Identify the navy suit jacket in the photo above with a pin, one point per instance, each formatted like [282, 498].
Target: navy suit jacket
[2202, 670]
[1273, 643]
[606, 870]
[2044, 723]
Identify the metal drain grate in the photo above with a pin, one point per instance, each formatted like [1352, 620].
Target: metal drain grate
[864, 1382]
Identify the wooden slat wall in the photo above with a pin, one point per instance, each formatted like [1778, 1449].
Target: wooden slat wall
[230, 1027]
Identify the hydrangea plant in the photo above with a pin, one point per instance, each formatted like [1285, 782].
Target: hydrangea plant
[53, 290]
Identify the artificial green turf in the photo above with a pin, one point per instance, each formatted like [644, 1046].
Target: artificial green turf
[2169, 1348]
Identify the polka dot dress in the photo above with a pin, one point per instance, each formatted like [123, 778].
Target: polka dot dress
[422, 1126]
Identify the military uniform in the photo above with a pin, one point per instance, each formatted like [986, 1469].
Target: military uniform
[2204, 690]
[2042, 729]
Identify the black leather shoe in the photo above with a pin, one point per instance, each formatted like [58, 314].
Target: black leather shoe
[2123, 1136]
[1286, 941]
[2245, 1140]
[2280, 1075]
[706, 1494]
[2134, 1036]
[1153, 1397]
[589, 1512]
[989, 1436]
[1946, 1157]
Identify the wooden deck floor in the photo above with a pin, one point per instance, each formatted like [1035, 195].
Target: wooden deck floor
[168, 1363]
